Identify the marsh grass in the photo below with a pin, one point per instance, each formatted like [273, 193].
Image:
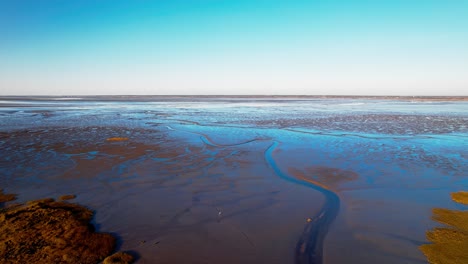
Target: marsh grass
[460, 197]
[449, 244]
[47, 231]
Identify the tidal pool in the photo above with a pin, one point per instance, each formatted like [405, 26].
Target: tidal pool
[244, 180]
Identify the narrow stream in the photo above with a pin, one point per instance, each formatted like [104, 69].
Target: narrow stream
[309, 248]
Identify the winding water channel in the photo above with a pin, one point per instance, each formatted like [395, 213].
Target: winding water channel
[309, 248]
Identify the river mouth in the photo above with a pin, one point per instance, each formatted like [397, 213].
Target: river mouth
[189, 185]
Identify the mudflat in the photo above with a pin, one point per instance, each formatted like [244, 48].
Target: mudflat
[237, 180]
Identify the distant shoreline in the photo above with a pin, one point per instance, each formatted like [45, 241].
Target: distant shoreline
[148, 98]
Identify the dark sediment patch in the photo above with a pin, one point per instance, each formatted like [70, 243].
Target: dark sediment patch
[77, 153]
[6, 197]
[450, 243]
[46, 231]
[67, 197]
[108, 156]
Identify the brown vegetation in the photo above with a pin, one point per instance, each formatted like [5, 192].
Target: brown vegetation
[460, 197]
[46, 231]
[449, 244]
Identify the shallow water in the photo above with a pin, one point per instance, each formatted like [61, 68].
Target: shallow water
[195, 182]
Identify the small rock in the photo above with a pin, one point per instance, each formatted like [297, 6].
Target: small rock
[6, 197]
[67, 197]
[119, 258]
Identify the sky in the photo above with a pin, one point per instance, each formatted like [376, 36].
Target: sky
[220, 47]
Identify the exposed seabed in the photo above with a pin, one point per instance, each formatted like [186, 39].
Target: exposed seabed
[244, 181]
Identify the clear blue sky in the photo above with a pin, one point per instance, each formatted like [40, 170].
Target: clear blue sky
[377, 47]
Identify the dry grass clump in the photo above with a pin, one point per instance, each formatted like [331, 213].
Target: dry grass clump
[460, 197]
[119, 258]
[449, 244]
[6, 197]
[46, 231]
[454, 218]
[117, 139]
